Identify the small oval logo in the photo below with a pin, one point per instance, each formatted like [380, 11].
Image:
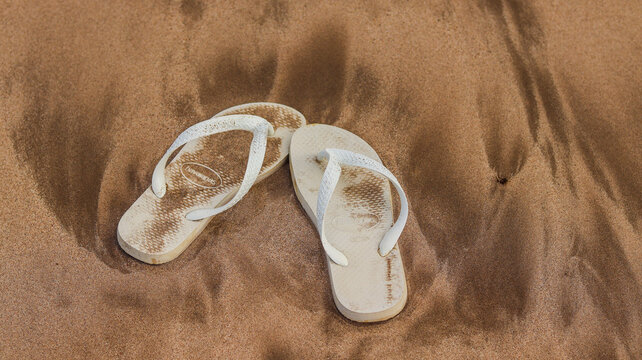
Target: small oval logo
[201, 175]
[360, 221]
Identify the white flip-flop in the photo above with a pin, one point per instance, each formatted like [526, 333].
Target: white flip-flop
[344, 188]
[206, 177]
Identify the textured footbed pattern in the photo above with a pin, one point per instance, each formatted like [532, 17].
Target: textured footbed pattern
[360, 212]
[205, 173]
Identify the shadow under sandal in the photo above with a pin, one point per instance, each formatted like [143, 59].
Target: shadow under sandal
[345, 190]
[210, 174]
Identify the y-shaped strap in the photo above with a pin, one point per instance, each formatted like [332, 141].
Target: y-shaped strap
[260, 127]
[337, 157]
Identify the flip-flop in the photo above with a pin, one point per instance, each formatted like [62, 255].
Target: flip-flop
[206, 177]
[345, 190]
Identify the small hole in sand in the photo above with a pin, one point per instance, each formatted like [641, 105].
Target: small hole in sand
[502, 180]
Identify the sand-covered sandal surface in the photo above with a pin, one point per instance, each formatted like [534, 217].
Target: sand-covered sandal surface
[220, 160]
[345, 190]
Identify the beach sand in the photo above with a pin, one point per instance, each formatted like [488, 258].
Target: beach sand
[514, 128]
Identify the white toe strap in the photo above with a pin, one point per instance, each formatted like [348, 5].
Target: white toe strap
[336, 158]
[260, 127]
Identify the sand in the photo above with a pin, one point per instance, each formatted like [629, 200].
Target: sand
[513, 126]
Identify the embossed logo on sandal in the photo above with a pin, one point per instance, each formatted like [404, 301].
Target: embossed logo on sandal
[355, 221]
[201, 175]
